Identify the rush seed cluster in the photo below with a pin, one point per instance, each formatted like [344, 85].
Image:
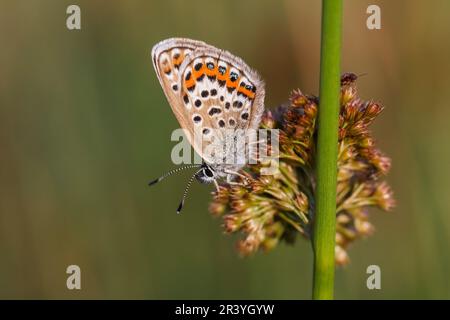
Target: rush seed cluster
[268, 209]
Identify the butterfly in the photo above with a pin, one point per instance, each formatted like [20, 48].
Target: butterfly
[214, 95]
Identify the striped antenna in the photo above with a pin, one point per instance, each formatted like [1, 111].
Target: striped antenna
[186, 191]
[172, 172]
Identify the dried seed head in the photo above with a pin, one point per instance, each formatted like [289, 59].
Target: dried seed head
[384, 196]
[268, 121]
[270, 209]
[341, 256]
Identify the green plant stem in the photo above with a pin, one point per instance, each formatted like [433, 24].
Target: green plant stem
[327, 148]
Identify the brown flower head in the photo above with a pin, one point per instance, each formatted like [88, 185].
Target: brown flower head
[267, 209]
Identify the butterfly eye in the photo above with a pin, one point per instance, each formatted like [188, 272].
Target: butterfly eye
[208, 172]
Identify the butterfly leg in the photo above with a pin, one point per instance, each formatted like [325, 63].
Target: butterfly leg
[217, 185]
[231, 182]
[230, 175]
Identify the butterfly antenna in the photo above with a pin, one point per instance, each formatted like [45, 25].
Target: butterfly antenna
[172, 172]
[186, 191]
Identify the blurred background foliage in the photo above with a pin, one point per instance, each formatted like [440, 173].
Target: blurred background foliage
[84, 125]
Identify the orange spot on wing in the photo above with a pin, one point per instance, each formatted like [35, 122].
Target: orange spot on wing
[248, 93]
[223, 76]
[178, 60]
[211, 72]
[200, 72]
[231, 84]
[189, 83]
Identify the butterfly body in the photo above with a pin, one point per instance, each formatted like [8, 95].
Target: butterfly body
[215, 96]
[206, 174]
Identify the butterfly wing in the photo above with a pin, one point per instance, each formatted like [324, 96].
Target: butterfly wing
[167, 56]
[210, 90]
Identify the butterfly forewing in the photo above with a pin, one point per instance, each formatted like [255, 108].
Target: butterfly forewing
[211, 92]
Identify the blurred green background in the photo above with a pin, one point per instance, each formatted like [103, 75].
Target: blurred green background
[84, 125]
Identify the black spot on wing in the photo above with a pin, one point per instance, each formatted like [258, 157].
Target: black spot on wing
[237, 104]
[198, 66]
[222, 70]
[214, 110]
[233, 76]
[197, 119]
